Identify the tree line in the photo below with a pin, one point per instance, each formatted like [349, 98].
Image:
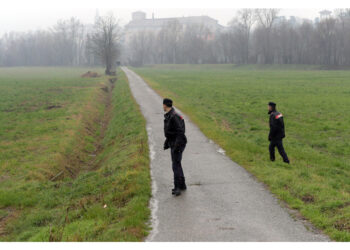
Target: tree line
[253, 36]
[68, 43]
[62, 44]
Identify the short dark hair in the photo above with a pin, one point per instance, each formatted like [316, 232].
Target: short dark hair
[272, 104]
[168, 102]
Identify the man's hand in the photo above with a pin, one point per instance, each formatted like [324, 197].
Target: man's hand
[166, 145]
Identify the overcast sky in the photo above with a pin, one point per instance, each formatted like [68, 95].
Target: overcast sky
[24, 20]
[25, 15]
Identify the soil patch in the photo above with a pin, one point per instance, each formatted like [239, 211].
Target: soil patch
[308, 199]
[90, 74]
[53, 107]
[11, 214]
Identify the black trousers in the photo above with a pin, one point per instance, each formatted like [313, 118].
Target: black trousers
[279, 145]
[176, 157]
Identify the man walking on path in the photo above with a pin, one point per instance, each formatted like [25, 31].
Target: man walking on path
[276, 133]
[174, 131]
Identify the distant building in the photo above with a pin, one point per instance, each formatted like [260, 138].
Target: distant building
[293, 20]
[140, 22]
[280, 19]
[325, 14]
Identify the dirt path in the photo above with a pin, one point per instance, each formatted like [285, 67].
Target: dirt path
[223, 201]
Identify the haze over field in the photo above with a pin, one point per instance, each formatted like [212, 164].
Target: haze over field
[24, 20]
[86, 123]
[250, 36]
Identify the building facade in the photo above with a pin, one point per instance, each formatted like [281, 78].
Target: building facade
[140, 22]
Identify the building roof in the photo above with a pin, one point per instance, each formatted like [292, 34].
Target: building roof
[325, 12]
[161, 22]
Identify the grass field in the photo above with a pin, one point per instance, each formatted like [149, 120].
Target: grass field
[74, 160]
[229, 104]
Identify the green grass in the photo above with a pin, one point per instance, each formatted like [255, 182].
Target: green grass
[229, 104]
[38, 143]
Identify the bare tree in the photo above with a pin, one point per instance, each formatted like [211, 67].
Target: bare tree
[172, 35]
[140, 48]
[104, 42]
[194, 43]
[242, 26]
[306, 45]
[69, 36]
[326, 31]
[266, 18]
[343, 35]
[225, 44]
[77, 36]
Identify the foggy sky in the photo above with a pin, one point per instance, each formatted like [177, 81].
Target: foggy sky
[39, 18]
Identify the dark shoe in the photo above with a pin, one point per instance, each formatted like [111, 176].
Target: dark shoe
[172, 190]
[183, 184]
[177, 191]
[272, 159]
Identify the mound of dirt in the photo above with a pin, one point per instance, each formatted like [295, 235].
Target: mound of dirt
[90, 74]
[53, 107]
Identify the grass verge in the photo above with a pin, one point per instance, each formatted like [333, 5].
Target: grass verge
[104, 193]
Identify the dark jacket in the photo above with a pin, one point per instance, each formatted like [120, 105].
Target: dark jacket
[276, 126]
[174, 130]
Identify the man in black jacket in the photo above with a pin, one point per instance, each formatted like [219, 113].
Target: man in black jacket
[276, 133]
[174, 131]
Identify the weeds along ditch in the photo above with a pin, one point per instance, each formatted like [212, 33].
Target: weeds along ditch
[74, 157]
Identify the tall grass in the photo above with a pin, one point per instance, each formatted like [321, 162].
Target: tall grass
[106, 199]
